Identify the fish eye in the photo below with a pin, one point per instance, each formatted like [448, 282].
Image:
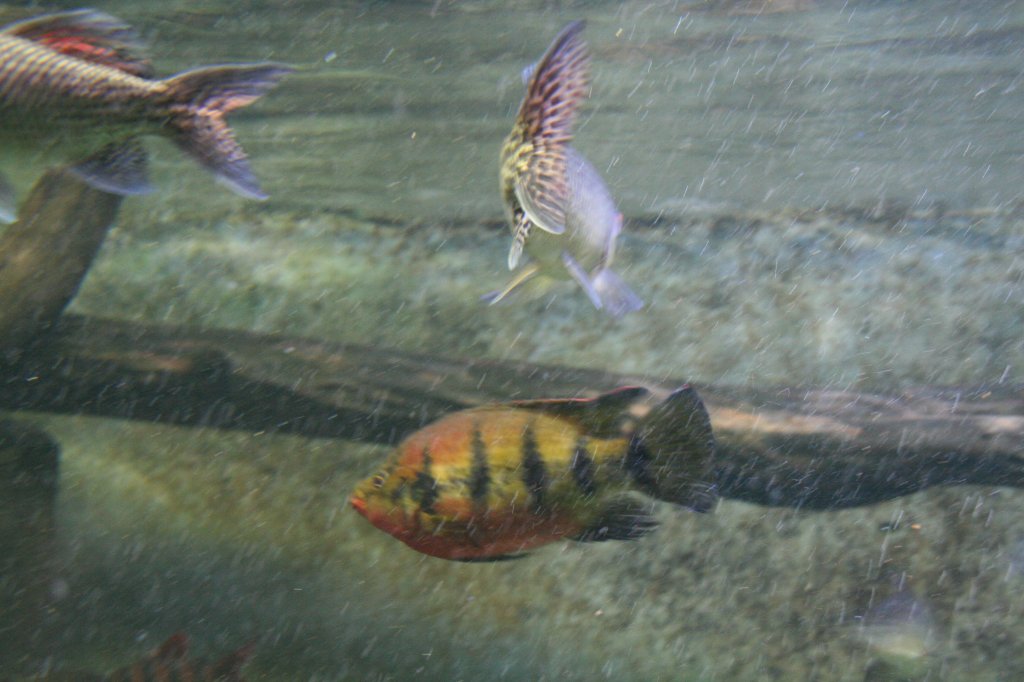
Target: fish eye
[378, 481]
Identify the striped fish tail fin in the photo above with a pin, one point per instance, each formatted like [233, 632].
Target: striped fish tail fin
[671, 454]
[200, 99]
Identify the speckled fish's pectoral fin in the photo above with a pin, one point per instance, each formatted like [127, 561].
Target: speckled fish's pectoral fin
[119, 168]
[582, 278]
[543, 194]
[8, 202]
[671, 454]
[623, 518]
[522, 277]
[617, 297]
[522, 232]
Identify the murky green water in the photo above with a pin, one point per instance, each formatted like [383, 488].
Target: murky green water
[828, 197]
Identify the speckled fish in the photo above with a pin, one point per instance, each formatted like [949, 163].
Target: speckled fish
[75, 86]
[559, 209]
[168, 663]
[492, 482]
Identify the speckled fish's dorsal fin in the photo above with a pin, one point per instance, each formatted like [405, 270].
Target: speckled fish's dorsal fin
[556, 88]
[522, 231]
[89, 35]
[606, 416]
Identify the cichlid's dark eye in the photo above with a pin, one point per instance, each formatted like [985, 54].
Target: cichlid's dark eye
[378, 481]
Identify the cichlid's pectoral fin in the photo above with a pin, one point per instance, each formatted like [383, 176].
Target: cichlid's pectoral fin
[623, 518]
[8, 201]
[521, 277]
[88, 35]
[119, 168]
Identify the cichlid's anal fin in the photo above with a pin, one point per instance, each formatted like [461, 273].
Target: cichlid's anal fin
[623, 518]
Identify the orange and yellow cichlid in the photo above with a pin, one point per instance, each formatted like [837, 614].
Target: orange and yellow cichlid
[492, 482]
[75, 85]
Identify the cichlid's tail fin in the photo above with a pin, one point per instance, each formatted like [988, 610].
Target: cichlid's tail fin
[199, 101]
[671, 453]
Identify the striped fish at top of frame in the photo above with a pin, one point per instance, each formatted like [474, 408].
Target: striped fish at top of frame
[75, 88]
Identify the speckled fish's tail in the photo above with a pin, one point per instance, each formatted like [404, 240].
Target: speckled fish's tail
[616, 297]
[199, 101]
[671, 454]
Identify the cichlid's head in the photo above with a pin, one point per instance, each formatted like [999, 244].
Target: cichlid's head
[385, 499]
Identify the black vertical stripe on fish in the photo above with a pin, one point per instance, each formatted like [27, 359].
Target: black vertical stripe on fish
[424, 488]
[535, 474]
[479, 473]
[638, 464]
[583, 469]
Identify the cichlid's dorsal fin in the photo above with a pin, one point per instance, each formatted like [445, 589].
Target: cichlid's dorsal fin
[88, 35]
[606, 416]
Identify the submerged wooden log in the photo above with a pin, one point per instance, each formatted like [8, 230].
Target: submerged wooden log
[793, 447]
[29, 460]
[45, 254]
